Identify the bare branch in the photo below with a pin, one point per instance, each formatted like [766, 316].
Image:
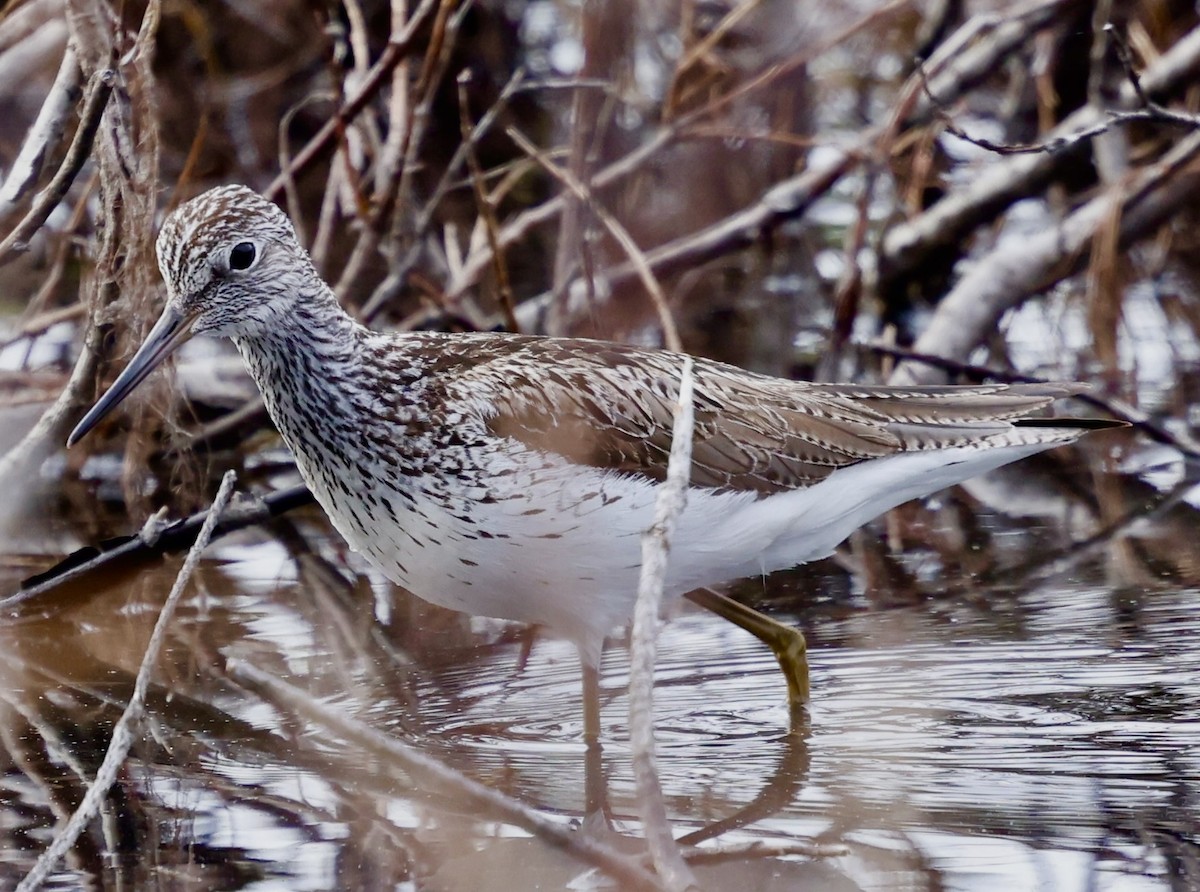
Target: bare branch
[638, 260]
[45, 134]
[395, 52]
[643, 649]
[100, 87]
[1010, 274]
[122, 736]
[487, 210]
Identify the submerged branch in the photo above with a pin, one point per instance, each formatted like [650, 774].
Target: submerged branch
[131, 551]
[122, 736]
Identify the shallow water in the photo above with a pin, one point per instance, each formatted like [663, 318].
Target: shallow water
[1023, 715]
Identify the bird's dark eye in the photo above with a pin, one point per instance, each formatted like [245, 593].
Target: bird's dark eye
[242, 255]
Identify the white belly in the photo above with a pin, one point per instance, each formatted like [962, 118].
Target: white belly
[561, 548]
[560, 545]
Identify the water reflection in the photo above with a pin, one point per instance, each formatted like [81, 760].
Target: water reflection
[1000, 716]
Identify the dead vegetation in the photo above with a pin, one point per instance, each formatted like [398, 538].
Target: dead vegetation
[856, 191]
[775, 186]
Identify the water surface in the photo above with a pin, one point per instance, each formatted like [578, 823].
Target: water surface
[1020, 710]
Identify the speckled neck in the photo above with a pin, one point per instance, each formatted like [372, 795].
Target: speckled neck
[309, 370]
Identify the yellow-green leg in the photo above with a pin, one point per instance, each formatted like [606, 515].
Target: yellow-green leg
[594, 785]
[786, 642]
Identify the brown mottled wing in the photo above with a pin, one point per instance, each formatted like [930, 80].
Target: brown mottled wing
[611, 406]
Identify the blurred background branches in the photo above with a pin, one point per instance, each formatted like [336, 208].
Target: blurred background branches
[798, 181]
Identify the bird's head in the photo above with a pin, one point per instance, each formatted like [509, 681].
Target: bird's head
[232, 266]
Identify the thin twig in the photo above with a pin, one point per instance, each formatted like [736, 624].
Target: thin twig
[702, 49]
[637, 258]
[393, 54]
[291, 193]
[656, 543]
[390, 286]
[392, 196]
[122, 737]
[487, 209]
[443, 38]
[391, 153]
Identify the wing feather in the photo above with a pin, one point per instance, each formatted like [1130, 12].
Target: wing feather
[612, 406]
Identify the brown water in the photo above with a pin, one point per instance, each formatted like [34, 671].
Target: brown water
[1025, 715]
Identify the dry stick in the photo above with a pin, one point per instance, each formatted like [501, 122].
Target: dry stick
[636, 257]
[175, 537]
[656, 543]
[487, 209]
[390, 286]
[393, 54]
[291, 194]
[45, 134]
[395, 197]
[603, 42]
[357, 36]
[1111, 151]
[1009, 275]
[432, 773]
[395, 189]
[331, 200]
[100, 87]
[699, 50]
[122, 736]
[906, 245]
[365, 125]
[445, 31]
[391, 153]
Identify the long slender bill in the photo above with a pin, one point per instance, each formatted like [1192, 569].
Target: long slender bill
[171, 330]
